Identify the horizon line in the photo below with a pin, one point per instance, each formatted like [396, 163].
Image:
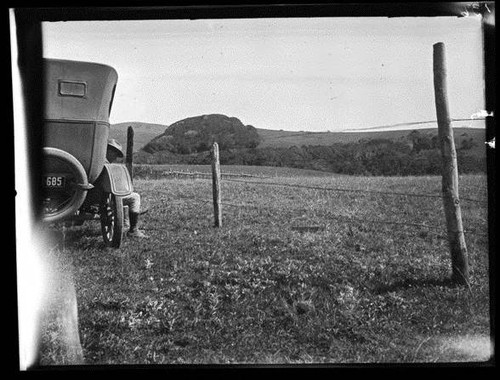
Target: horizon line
[408, 124]
[390, 126]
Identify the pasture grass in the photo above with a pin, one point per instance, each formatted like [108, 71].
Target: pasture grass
[294, 275]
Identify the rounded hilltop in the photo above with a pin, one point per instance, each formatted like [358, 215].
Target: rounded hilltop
[197, 134]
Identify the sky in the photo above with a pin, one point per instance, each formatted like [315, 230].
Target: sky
[295, 74]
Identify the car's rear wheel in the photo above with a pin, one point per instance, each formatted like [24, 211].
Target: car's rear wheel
[64, 185]
[111, 215]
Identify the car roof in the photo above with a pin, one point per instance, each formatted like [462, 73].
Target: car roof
[77, 90]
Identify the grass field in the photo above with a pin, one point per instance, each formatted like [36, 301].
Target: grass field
[295, 274]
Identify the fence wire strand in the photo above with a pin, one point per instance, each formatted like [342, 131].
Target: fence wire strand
[393, 193]
[431, 228]
[351, 190]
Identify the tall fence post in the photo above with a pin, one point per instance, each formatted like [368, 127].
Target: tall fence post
[456, 238]
[130, 152]
[216, 185]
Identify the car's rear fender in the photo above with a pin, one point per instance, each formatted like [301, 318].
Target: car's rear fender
[115, 179]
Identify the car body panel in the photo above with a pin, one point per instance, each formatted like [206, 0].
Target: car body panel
[76, 120]
[115, 179]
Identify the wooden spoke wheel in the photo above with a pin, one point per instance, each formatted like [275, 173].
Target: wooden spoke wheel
[111, 215]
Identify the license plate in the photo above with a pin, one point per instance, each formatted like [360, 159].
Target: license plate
[54, 181]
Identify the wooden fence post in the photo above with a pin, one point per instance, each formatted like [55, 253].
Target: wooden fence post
[456, 239]
[216, 185]
[130, 152]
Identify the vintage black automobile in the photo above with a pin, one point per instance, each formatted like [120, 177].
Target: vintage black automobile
[78, 183]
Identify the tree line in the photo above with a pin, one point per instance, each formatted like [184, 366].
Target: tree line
[418, 154]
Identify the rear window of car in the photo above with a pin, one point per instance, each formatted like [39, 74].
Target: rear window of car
[72, 88]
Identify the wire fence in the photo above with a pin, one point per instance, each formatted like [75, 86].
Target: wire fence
[230, 177]
[440, 231]
[355, 190]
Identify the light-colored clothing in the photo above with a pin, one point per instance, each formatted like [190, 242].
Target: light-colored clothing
[133, 201]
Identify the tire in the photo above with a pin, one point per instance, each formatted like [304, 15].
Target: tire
[63, 204]
[111, 215]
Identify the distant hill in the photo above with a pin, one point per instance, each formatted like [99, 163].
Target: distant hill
[287, 139]
[197, 134]
[390, 152]
[143, 133]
